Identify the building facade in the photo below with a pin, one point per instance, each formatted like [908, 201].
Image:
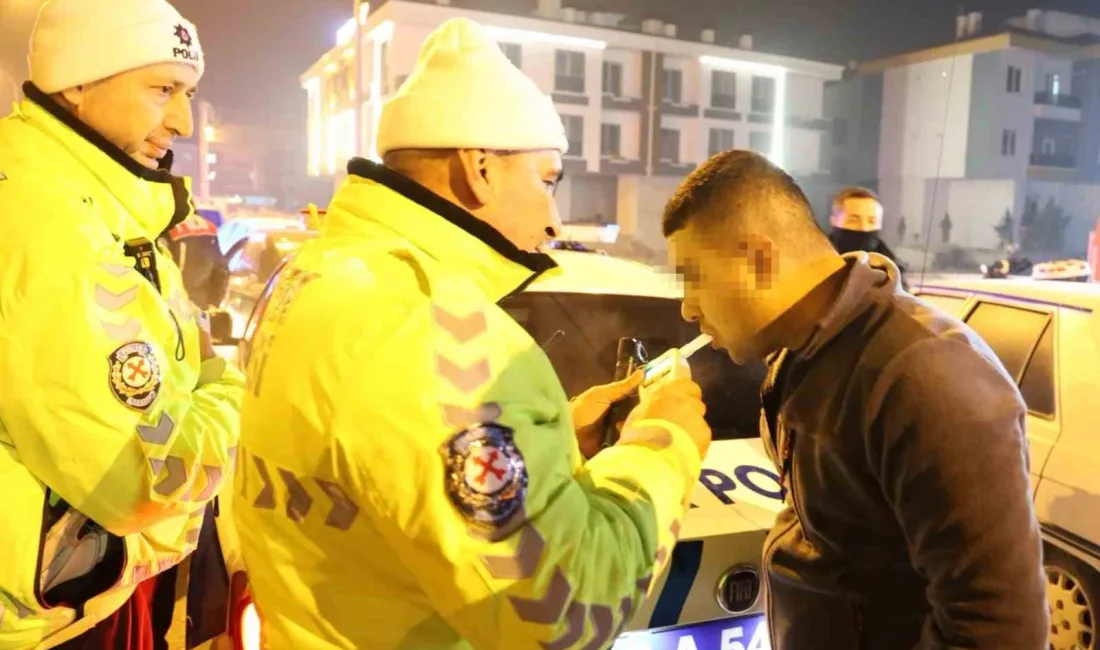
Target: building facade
[972, 131]
[641, 108]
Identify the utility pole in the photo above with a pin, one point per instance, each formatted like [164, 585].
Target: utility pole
[358, 18]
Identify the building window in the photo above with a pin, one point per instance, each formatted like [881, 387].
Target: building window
[514, 52]
[673, 86]
[574, 133]
[610, 140]
[569, 71]
[1053, 84]
[763, 95]
[1008, 142]
[723, 89]
[670, 146]
[720, 140]
[1048, 146]
[612, 78]
[761, 142]
[1012, 83]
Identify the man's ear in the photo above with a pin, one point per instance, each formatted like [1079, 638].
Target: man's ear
[762, 256]
[474, 173]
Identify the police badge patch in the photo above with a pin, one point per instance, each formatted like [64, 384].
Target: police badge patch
[135, 375]
[486, 478]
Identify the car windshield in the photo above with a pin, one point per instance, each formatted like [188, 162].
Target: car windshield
[580, 334]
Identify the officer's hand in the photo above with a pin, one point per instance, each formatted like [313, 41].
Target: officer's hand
[590, 409]
[678, 400]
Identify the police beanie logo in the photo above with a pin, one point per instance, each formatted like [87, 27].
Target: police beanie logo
[185, 51]
[183, 35]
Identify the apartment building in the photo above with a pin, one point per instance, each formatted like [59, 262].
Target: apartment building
[976, 128]
[642, 107]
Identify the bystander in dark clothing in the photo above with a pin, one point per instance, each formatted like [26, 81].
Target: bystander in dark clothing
[194, 245]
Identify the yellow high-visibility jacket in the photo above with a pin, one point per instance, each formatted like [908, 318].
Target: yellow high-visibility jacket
[111, 428]
[409, 474]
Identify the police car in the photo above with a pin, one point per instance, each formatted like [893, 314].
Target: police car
[1047, 335]
[710, 597]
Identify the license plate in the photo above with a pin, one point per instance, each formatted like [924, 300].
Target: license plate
[746, 633]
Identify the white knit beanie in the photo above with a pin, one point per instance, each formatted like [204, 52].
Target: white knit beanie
[464, 93]
[79, 41]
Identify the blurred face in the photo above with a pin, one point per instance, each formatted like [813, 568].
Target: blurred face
[142, 111]
[514, 193]
[860, 215]
[729, 288]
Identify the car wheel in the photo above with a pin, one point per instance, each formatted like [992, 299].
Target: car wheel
[1073, 593]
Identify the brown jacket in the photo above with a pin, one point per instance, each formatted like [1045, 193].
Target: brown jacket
[909, 522]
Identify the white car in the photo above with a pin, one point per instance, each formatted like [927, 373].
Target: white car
[1047, 335]
[711, 594]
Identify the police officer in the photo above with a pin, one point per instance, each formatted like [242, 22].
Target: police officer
[411, 473]
[856, 222]
[194, 246]
[118, 423]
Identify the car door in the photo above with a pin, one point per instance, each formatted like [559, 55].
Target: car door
[245, 285]
[1068, 499]
[1024, 337]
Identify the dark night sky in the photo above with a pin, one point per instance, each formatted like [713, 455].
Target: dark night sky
[256, 49]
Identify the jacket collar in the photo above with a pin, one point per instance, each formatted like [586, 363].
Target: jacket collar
[447, 233]
[868, 275]
[155, 198]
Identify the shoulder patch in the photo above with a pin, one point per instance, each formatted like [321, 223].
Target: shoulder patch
[135, 375]
[486, 478]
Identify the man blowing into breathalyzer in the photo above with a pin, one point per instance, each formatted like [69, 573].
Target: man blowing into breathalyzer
[897, 433]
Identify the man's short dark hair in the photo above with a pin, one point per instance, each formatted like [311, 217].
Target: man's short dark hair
[711, 194]
[853, 193]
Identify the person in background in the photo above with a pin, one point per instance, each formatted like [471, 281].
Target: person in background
[856, 222]
[118, 423]
[194, 247]
[898, 436]
[442, 492]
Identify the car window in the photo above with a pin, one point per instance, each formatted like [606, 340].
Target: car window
[580, 334]
[948, 304]
[1011, 332]
[1037, 386]
[244, 257]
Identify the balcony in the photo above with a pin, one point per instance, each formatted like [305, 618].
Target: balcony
[1050, 99]
[1049, 106]
[1061, 161]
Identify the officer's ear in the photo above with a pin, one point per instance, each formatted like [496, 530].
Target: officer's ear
[71, 98]
[480, 172]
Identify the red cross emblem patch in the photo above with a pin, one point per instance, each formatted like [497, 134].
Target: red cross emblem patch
[135, 375]
[486, 478]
